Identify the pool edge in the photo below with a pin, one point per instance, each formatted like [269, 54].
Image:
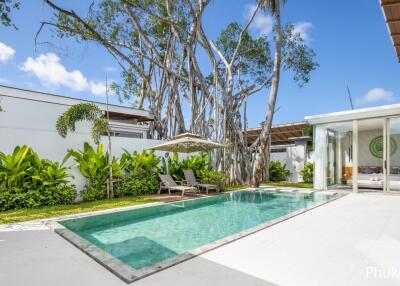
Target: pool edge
[130, 275]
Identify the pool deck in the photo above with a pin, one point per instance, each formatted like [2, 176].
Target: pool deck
[354, 240]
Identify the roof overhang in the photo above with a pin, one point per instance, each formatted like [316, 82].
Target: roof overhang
[281, 134]
[117, 112]
[391, 12]
[356, 114]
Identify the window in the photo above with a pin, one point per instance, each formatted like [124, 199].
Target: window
[127, 134]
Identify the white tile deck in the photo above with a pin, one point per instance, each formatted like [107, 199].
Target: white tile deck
[335, 244]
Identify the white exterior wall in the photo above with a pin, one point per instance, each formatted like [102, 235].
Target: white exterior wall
[319, 157]
[32, 123]
[297, 158]
[294, 157]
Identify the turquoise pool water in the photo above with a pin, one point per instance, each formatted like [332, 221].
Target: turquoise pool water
[149, 235]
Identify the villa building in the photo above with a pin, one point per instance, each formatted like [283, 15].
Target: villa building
[357, 149]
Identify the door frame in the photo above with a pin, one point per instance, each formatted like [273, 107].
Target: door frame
[386, 156]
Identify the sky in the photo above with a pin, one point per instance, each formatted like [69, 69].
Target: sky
[350, 39]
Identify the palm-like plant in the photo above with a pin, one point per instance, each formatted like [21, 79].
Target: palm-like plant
[140, 163]
[13, 167]
[93, 163]
[52, 174]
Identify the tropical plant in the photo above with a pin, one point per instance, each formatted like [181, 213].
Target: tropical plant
[13, 167]
[141, 164]
[100, 125]
[82, 112]
[93, 165]
[52, 174]
[26, 181]
[133, 185]
[278, 171]
[214, 178]
[308, 173]
[198, 163]
[173, 166]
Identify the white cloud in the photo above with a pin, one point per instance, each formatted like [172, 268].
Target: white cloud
[5, 81]
[110, 69]
[375, 95]
[6, 53]
[262, 22]
[51, 72]
[303, 28]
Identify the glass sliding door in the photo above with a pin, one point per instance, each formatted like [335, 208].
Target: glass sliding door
[371, 152]
[331, 163]
[338, 163]
[393, 155]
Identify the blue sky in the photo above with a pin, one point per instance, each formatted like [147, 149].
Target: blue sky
[350, 39]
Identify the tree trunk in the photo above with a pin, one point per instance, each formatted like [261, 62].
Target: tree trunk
[263, 150]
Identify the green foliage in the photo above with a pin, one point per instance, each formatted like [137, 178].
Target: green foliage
[94, 192]
[13, 167]
[93, 165]
[308, 173]
[297, 56]
[82, 112]
[198, 163]
[277, 171]
[19, 215]
[254, 56]
[26, 181]
[134, 185]
[5, 10]
[140, 164]
[214, 178]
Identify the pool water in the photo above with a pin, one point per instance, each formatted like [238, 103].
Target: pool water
[149, 235]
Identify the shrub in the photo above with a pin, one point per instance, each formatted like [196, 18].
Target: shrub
[140, 163]
[134, 185]
[93, 165]
[213, 177]
[308, 173]
[277, 171]
[26, 181]
[93, 192]
[198, 163]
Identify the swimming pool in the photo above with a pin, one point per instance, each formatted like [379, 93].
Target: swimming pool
[150, 238]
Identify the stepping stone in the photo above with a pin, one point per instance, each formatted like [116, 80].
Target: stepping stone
[327, 192]
[307, 192]
[287, 190]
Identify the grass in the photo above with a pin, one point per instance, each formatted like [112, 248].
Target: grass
[288, 184]
[19, 215]
[275, 184]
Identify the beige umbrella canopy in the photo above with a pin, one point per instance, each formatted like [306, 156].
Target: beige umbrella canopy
[187, 143]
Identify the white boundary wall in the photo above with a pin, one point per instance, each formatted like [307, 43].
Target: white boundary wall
[32, 123]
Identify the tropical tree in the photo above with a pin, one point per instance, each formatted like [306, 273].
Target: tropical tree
[5, 10]
[290, 51]
[169, 64]
[100, 125]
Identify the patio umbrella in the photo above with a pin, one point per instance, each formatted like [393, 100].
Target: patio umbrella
[187, 143]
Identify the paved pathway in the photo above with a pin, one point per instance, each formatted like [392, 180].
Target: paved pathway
[352, 241]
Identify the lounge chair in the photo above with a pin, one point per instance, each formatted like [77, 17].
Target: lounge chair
[167, 183]
[190, 180]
